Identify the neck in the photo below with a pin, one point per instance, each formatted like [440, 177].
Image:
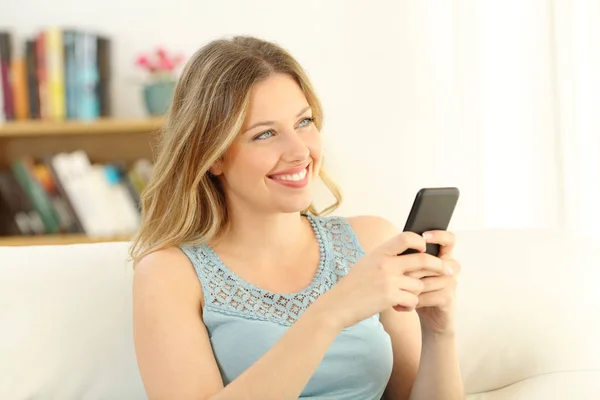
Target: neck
[271, 233]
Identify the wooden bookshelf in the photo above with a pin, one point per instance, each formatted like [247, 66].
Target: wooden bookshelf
[46, 240]
[104, 126]
[104, 140]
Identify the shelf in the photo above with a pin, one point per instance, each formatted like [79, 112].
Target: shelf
[46, 240]
[101, 126]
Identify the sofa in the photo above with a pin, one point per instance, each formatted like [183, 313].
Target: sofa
[528, 304]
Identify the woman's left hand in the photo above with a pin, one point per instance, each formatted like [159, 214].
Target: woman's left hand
[436, 307]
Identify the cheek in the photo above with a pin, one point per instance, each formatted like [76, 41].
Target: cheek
[315, 146]
[246, 163]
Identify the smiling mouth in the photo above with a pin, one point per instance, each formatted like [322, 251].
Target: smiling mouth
[296, 180]
[297, 177]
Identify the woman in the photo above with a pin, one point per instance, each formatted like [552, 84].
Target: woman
[242, 290]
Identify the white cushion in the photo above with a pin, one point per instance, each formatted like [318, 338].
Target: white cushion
[571, 385]
[529, 306]
[66, 323]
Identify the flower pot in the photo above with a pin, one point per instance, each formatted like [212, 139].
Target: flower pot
[158, 96]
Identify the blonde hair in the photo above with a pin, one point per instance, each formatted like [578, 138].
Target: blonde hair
[182, 202]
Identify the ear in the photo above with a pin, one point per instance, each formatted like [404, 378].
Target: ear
[217, 168]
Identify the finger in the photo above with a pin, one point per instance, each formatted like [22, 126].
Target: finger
[405, 300]
[438, 298]
[431, 284]
[445, 239]
[421, 273]
[453, 265]
[402, 242]
[402, 308]
[412, 285]
[417, 262]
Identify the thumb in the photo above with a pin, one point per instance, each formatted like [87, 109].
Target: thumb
[402, 242]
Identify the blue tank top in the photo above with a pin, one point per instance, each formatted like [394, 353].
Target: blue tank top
[245, 321]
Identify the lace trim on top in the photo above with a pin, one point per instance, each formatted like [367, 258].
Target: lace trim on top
[226, 292]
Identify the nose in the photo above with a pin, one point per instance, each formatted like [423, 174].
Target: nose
[295, 148]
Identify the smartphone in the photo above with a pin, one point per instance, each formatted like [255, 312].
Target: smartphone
[431, 210]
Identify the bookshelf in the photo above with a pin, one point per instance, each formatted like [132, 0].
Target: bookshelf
[102, 126]
[104, 140]
[45, 240]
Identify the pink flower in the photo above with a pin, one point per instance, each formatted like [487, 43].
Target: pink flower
[142, 61]
[162, 53]
[159, 61]
[165, 64]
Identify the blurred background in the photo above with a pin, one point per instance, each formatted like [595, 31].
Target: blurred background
[501, 99]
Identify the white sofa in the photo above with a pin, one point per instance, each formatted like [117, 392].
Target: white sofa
[529, 327]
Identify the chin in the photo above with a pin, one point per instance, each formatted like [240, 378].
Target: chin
[288, 206]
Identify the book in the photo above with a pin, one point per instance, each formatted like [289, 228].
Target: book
[59, 73]
[5, 75]
[68, 193]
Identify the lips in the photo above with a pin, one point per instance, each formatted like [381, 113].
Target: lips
[294, 177]
[290, 171]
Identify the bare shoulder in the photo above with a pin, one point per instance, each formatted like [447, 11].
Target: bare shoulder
[172, 344]
[372, 230]
[165, 272]
[161, 258]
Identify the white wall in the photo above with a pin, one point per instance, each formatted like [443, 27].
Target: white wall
[577, 42]
[518, 101]
[416, 93]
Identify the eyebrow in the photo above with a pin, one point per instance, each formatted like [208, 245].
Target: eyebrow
[267, 123]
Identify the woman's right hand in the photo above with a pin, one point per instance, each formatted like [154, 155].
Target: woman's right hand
[380, 280]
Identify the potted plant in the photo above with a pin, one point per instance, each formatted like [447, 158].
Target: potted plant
[161, 68]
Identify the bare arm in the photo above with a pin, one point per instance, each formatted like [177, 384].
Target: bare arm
[174, 354]
[425, 364]
[404, 329]
[439, 374]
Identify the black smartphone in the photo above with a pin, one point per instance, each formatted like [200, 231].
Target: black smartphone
[431, 210]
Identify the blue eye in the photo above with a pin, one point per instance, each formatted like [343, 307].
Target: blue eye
[264, 135]
[306, 122]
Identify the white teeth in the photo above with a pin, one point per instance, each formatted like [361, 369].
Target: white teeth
[295, 177]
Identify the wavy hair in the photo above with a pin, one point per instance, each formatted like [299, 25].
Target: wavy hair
[182, 202]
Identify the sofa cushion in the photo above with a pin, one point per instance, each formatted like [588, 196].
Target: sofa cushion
[528, 305]
[573, 385]
[66, 323]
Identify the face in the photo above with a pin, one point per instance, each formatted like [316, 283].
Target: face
[272, 164]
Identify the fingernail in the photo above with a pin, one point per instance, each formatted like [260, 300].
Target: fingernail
[449, 271]
[427, 235]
